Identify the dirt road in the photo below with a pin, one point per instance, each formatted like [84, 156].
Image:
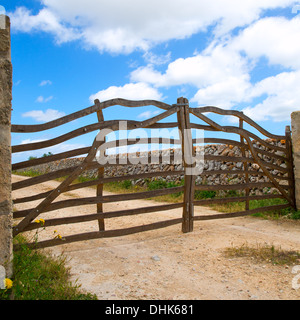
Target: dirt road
[166, 264]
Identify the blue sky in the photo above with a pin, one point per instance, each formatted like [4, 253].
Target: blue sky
[240, 55]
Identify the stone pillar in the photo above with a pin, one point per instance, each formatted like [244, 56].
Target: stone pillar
[296, 153]
[5, 146]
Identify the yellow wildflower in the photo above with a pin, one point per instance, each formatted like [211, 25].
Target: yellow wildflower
[41, 221]
[8, 283]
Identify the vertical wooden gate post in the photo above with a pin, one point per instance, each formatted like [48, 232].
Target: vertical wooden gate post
[100, 175]
[187, 156]
[246, 166]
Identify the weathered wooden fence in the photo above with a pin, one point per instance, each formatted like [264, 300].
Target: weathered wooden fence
[264, 157]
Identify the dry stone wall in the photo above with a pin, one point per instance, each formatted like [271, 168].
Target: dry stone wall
[208, 165]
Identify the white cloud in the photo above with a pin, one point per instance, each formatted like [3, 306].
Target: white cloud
[26, 141]
[43, 116]
[46, 20]
[131, 91]
[283, 97]
[155, 59]
[220, 74]
[45, 82]
[124, 26]
[41, 99]
[216, 63]
[224, 94]
[276, 38]
[148, 114]
[149, 75]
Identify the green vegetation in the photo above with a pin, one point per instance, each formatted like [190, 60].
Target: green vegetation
[254, 204]
[39, 276]
[48, 154]
[265, 253]
[27, 173]
[203, 194]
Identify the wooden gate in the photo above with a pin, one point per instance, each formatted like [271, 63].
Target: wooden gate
[284, 184]
[268, 155]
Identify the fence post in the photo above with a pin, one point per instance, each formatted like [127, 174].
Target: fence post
[296, 154]
[246, 166]
[5, 147]
[187, 155]
[100, 176]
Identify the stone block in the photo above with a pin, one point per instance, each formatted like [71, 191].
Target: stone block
[6, 243]
[5, 149]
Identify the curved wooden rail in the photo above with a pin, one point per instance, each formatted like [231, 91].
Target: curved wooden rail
[105, 215]
[112, 125]
[103, 234]
[239, 115]
[103, 199]
[85, 150]
[58, 156]
[241, 213]
[101, 181]
[84, 112]
[252, 135]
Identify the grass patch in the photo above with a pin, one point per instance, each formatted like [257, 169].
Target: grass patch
[264, 253]
[27, 173]
[162, 184]
[39, 276]
[295, 215]
[127, 187]
[254, 204]
[203, 194]
[122, 187]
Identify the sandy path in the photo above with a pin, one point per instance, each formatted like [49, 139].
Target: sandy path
[166, 264]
